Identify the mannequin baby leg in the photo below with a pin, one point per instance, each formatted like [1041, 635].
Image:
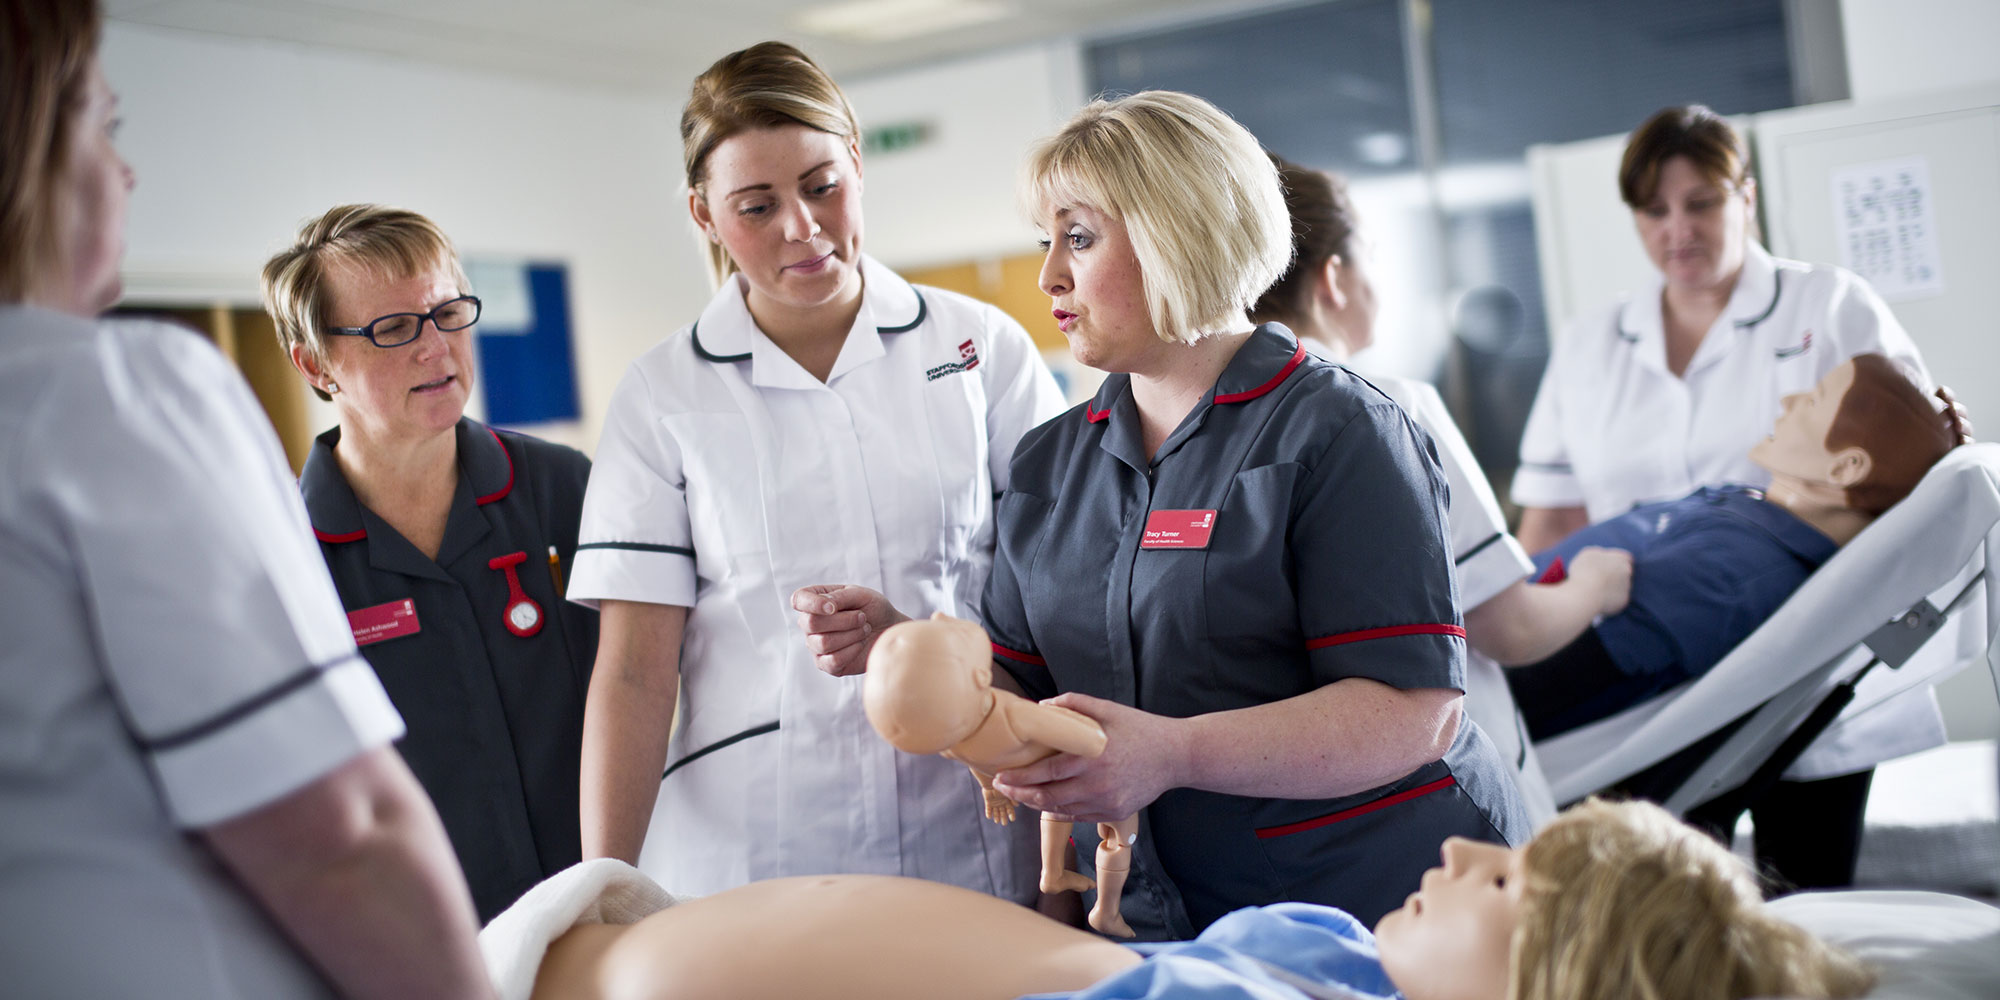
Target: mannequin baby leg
[1114, 862]
[1056, 876]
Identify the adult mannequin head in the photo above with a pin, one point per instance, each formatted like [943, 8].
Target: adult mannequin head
[1166, 220]
[773, 159]
[1685, 175]
[63, 186]
[1857, 442]
[1611, 899]
[1325, 294]
[391, 272]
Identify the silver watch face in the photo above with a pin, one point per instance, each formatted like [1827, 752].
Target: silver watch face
[524, 615]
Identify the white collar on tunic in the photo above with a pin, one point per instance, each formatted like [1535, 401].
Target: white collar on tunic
[1642, 322]
[726, 333]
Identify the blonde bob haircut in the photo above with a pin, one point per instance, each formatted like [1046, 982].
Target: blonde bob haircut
[375, 241]
[768, 85]
[46, 48]
[1197, 194]
[1623, 900]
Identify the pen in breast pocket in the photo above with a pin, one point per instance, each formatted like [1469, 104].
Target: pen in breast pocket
[555, 571]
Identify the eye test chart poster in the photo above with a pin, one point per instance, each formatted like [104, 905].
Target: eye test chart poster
[1887, 227]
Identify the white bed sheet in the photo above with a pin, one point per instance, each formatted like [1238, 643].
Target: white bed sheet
[1927, 946]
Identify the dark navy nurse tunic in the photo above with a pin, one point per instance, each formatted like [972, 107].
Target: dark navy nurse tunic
[1329, 558]
[494, 719]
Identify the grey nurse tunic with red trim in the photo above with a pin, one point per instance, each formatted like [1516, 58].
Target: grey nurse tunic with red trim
[494, 717]
[1329, 558]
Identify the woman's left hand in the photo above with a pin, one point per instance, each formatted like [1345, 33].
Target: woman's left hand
[1142, 758]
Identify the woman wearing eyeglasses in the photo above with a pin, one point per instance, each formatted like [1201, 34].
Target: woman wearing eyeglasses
[444, 537]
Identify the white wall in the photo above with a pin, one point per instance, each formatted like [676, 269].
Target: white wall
[1900, 47]
[952, 197]
[236, 142]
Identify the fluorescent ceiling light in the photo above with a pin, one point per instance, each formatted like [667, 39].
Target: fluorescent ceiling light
[893, 20]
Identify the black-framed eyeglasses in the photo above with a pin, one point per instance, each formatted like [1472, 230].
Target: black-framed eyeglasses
[397, 329]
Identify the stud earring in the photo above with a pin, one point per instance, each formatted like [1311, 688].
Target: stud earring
[713, 238]
[332, 387]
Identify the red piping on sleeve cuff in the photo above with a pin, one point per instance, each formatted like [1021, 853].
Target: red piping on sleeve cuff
[1016, 655]
[1388, 632]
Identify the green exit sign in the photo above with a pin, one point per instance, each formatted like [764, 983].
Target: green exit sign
[894, 138]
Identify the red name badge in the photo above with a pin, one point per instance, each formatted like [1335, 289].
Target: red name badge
[384, 621]
[1178, 529]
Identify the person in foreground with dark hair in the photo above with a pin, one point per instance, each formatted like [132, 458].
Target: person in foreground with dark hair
[195, 770]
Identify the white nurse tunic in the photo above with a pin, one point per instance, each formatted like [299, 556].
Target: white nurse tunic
[1612, 428]
[175, 657]
[728, 477]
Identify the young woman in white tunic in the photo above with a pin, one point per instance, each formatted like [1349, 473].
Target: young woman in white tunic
[822, 420]
[1664, 392]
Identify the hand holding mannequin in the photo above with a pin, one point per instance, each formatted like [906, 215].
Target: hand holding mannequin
[929, 689]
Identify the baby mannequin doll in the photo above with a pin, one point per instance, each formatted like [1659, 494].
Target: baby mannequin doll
[1710, 568]
[929, 689]
[1610, 900]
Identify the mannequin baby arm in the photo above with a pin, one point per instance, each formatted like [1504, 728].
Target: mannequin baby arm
[1529, 622]
[1055, 727]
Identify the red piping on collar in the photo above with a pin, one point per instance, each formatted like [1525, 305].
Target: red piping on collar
[1240, 397]
[352, 536]
[504, 490]
[1095, 416]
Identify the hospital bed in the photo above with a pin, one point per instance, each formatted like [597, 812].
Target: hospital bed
[1907, 602]
[1926, 946]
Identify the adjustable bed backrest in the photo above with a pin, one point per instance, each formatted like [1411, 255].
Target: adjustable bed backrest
[1947, 530]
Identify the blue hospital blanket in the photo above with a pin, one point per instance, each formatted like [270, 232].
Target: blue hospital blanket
[1285, 951]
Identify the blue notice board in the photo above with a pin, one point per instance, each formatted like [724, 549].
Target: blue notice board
[526, 361]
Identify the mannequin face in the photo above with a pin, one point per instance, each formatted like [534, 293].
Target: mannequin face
[1694, 230]
[1797, 447]
[786, 203]
[1450, 940]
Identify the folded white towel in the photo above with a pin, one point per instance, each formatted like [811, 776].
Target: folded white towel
[603, 891]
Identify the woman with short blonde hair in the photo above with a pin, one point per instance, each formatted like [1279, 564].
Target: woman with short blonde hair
[390, 242]
[1233, 558]
[447, 538]
[1208, 223]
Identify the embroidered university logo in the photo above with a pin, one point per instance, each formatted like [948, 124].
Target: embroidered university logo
[968, 359]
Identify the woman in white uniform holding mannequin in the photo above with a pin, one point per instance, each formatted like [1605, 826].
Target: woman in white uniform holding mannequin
[822, 419]
[1664, 392]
